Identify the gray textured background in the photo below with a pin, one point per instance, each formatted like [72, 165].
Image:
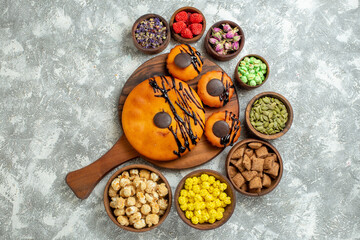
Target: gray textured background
[63, 65]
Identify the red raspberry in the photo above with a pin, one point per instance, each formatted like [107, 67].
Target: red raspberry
[186, 33]
[179, 26]
[196, 18]
[181, 16]
[196, 28]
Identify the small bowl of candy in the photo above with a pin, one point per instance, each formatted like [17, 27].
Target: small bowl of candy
[151, 33]
[187, 25]
[224, 40]
[252, 71]
[205, 199]
[269, 115]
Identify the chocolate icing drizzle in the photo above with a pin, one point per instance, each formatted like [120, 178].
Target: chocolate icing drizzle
[185, 96]
[224, 97]
[194, 57]
[235, 127]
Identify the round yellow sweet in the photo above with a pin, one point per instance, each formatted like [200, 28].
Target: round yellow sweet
[195, 220]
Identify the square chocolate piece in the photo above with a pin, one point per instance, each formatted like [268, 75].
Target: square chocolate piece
[238, 179]
[257, 164]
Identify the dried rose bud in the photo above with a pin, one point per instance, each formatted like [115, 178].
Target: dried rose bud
[216, 35]
[226, 27]
[235, 45]
[222, 52]
[215, 29]
[236, 38]
[219, 47]
[230, 35]
[213, 40]
[227, 46]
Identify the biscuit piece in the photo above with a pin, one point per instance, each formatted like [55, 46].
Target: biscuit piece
[247, 162]
[268, 162]
[249, 152]
[232, 171]
[248, 175]
[238, 180]
[266, 182]
[255, 183]
[244, 187]
[255, 145]
[233, 161]
[239, 164]
[274, 171]
[257, 164]
[238, 153]
[262, 151]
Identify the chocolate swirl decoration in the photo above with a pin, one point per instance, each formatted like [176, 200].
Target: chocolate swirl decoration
[224, 97]
[185, 96]
[234, 128]
[196, 59]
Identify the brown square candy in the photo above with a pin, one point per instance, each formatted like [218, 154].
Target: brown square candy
[247, 162]
[268, 162]
[249, 152]
[274, 171]
[248, 175]
[262, 151]
[238, 180]
[244, 187]
[266, 182]
[238, 153]
[232, 171]
[257, 164]
[255, 183]
[233, 162]
[255, 145]
[239, 165]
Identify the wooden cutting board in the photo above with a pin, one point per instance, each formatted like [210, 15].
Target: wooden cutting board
[83, 181]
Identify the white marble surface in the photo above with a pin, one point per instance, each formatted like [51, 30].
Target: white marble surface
[63, 65]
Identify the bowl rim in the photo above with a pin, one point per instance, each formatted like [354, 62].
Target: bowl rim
[230, 56]
[267, 190]
[288, 108]
[177, 36]
[109, 210]
[151, 50]
[244, 85]
[218, 176]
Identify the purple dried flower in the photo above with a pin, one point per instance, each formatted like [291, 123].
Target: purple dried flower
[229, 34]
[219, 47]
[222, 52]
[235, 46]
[215, 30]
[236, 38]
[217, 35]
[213, 40]
[227, 46]
[226, 27]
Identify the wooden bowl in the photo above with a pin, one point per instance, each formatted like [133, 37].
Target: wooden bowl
[288, 108]
[220, 57]
[229, 209]
[151, 50]
[274, 182]
[244, 85]
[177, 36]
[109, 210]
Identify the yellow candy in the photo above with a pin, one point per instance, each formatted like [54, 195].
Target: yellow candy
[201, 220]
[198, 198]
[204, 177]
[197, 213]
[212, 220]
[211, 179]
[197, 206]
[216, 183]
[227, 200]
[210, 205]
[182, 200]
[191, 194]
[219, 215]
[195, 220]
[211, 189]
[196, 188]
[206, 216]
[195, 180]
[222, 196]
[216, 192]
[218, 203]
[223, 204]
[209, 198]
[223, 186]
[189, 181]
[190, 206]
[183, 207]
[188, 187]
[189, 214]
[203, 192]
[183, 193]
[212, 213]
[202, 205]
[205, 185]
[220, 209]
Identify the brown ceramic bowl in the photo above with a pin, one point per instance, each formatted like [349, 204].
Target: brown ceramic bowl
[244, 85]
[288, 108]
[177, 36]
[229, 209]
[274, 182]
[151, 50]
[220, 57]
[109, 210]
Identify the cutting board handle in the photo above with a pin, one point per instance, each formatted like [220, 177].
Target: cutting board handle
[84, 180]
